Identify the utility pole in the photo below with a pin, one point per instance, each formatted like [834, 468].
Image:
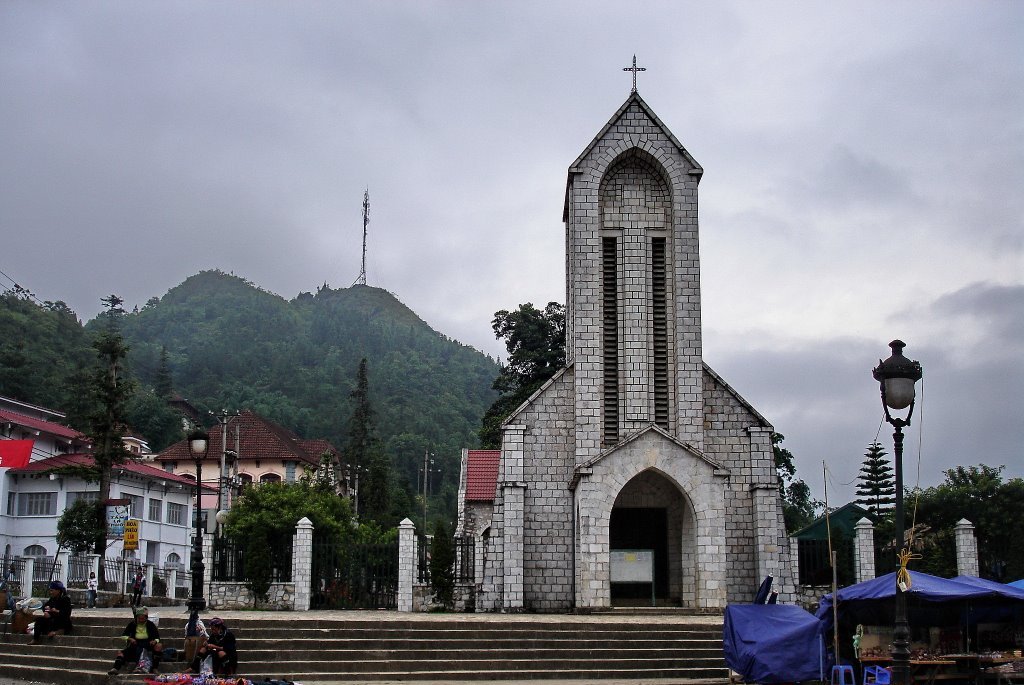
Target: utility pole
[224, 418]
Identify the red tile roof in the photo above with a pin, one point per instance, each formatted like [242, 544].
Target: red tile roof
[32, 423]
[138, 468]
[259, 438]
[482, 475]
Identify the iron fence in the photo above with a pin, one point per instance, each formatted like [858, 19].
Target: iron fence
[229, 561]
[113, 573]
[17, 566]
[79, 569]
[161, 581]
[184, 584]
[45, 569]
[465, 558]
[362, 576]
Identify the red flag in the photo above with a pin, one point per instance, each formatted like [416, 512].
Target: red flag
[15, 453]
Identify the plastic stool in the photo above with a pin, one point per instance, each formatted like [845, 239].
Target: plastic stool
[842, 674]
[877, 675]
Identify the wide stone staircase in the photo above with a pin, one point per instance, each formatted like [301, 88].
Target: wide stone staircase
[308, 649]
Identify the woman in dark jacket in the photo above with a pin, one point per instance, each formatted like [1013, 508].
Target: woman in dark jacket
[56, 618]
[138, 635]
[221, 646]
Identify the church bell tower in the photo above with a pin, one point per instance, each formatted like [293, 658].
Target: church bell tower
[633, 284]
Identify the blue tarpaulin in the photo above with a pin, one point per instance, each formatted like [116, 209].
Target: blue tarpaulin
[1017, 584]
[862, 602]
[774, 643]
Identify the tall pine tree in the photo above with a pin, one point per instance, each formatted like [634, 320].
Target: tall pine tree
[112, 390]
[876, 488]
[366, 455]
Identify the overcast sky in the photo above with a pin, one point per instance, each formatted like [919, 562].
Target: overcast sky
[864, 167]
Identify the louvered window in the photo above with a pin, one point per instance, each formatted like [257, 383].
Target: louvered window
[610, 306]
[659, 332]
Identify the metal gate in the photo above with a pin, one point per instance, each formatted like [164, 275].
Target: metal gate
[361, 576]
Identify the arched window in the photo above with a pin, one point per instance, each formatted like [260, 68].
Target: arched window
[35, 551]
[173, 560]
[270, 478]
[245, 481]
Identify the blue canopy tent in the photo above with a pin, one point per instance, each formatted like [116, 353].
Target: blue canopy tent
[930, 601]
[774, 643]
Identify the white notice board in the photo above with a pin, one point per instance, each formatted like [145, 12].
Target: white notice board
[632, 565]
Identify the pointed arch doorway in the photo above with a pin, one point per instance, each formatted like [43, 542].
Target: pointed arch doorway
[652, 513]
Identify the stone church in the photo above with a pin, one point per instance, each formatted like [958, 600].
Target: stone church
[636, 475]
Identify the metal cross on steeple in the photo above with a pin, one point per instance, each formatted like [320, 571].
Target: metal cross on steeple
[634, 69]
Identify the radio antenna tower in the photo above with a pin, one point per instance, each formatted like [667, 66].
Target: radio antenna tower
[366, 222]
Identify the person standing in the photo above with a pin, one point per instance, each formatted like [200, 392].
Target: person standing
[138, 588]
[91, 586]
[56, 618]
[9, 581]
[139, 635]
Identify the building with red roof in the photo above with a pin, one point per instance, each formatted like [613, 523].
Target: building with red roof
[38, 484]
[258, 451]
[478, 482]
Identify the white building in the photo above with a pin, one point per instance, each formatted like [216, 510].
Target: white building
[34, 495]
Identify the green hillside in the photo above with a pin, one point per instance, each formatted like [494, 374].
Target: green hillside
[231, 345]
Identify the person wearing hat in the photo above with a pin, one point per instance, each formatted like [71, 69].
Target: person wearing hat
[140, 634]
[221, 646]
[56, 618]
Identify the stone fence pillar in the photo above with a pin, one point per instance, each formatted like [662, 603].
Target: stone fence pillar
[27, 575]
[966, 549]
[302, 564]
[864, 550]
[406, 563]
[208, 567]
[149, 579]
[63, 573]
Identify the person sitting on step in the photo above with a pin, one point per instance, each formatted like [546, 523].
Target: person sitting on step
[221, 647]
[56, 618]
[140, 634]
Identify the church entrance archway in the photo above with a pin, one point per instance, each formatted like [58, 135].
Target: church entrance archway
[651, 513]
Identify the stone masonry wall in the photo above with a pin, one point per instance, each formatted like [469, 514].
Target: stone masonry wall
[733, 438]
[548, 510]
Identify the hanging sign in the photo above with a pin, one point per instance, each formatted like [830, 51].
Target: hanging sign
[131, 534]
[118, 511]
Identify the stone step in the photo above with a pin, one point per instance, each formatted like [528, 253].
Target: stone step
[306, 648]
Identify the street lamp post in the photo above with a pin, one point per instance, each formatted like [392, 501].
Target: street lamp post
[897, 377]
[198, 444]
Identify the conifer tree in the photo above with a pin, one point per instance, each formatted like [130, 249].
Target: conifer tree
[876, 487]
[112, 389]
[366, 454]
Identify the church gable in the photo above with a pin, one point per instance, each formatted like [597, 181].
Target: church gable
[653, 441]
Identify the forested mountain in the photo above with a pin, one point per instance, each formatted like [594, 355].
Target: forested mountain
[227, 344]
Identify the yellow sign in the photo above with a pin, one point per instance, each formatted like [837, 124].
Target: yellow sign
[131, 534]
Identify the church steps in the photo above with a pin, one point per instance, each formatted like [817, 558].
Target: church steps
[308, 648]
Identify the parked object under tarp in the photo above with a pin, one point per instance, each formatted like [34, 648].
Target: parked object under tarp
[774, 643]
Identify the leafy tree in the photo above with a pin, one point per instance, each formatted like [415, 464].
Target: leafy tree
[365, 452]
[442, 565]
[798, 507]
[535, 341]
[995, 507]
[877, 485]
[266, 514]
[79, 526]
